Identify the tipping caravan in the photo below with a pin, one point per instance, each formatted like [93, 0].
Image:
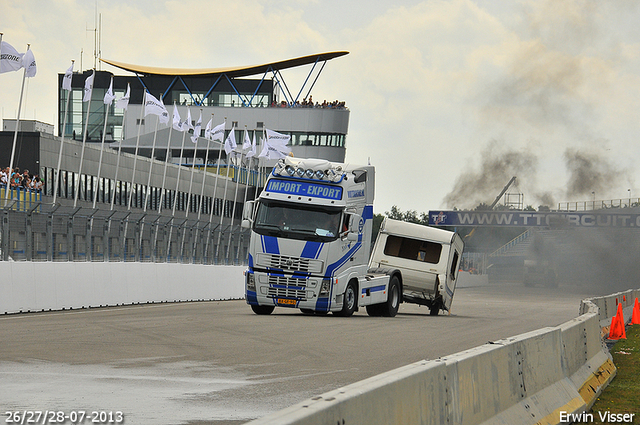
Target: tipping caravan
[310, 244]
[427, 257]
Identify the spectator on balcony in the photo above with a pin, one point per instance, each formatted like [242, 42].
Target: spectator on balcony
[16, 179]
[36, 183]
[4, 179]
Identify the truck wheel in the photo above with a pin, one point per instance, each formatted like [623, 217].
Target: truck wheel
[434, 309]
[263, 309]
[390, 308]
[375, 310]
[307, 311]
[349, 302]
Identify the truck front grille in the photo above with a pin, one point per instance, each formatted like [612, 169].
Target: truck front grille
[287, 287]
[286, 262]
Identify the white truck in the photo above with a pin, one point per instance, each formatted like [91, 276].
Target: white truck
[310, 246]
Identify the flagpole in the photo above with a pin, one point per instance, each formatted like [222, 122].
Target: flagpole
[64, 129]
[115, 178]
[166, 161]
[204, 175]
[153, 150]
[135, 158]
[246, 189]
[15, 136]
[193, 166]
[124, 116]
[224, 201]
[215, 186]
[175, 195]
[104, 133]
[233, 212]
[84, 140]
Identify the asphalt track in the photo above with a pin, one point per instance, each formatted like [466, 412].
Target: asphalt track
[218, 363]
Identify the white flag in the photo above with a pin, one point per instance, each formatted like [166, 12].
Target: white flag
[186, 125]
[123, 102]
[230, 142]
[29, 63]
[274, 138]
[109, 96]
[164, 117]
[264, 153]
[218, 132]
[10, 59]
[88, 87]
[207, 129]
[196, 129]
[154, 106]
[246, 142]
[177, 122]
[275, 150]
[66, 81]
[252, 152]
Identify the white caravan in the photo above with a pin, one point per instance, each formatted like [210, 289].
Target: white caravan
[427, 257]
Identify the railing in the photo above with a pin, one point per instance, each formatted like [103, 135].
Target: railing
[45, 232]
[513, 242]
[18, 198]
[599, 204]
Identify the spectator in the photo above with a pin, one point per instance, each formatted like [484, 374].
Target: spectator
[36, 183]
[25, 182]
[16, 178]
[3, 176]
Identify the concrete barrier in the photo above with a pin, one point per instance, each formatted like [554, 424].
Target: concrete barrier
[43, 286]
[533, 378]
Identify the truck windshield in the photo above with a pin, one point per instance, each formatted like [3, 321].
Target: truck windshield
[293, 221]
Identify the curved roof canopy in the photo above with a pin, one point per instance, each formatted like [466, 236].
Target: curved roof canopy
[242, 71]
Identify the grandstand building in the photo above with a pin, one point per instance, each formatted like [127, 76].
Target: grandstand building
[179, 187]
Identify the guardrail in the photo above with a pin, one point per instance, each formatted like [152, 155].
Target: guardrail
[46, 232]
[533, 378]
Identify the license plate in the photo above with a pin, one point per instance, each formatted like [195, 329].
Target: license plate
[286, 302]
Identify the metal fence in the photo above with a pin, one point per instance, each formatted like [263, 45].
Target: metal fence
[599, 204]
[45, 232]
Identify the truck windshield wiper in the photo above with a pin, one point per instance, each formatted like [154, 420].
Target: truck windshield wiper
[268, 226]
[303, 230]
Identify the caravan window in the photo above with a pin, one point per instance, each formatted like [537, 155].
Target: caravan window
[413, 249]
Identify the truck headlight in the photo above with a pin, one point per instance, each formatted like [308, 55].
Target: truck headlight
[251, 282]
[325, 288]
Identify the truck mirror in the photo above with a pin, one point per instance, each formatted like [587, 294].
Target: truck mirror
[354, 223]
[247, 213]
[353, 237]
[246, 224]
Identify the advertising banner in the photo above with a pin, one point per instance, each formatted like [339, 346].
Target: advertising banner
[533, 219]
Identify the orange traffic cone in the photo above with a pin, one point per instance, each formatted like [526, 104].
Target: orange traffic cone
[617, 331]
[624, 298]
[635, 316]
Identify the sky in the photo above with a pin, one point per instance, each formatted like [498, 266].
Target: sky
[449, 99]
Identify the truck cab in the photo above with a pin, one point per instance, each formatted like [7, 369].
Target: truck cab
[310, 233]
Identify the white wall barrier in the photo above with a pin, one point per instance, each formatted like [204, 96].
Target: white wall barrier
[42, 286]
[533, 378]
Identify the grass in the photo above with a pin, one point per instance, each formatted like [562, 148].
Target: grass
[623, 393]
